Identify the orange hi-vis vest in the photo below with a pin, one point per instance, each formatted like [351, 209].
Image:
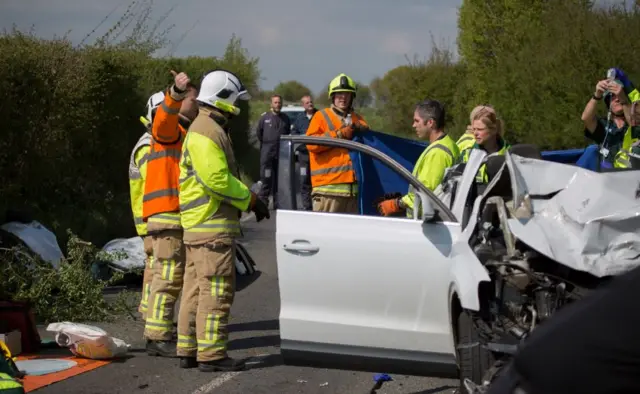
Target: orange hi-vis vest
[161, 187]
[332, 171]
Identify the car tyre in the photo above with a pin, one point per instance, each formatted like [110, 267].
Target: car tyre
[474, 361]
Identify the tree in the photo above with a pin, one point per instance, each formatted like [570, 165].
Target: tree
[364, 97]
[292, 90]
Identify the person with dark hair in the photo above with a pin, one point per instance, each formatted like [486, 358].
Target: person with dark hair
[270, 127]
[614, 134]
[442, 153]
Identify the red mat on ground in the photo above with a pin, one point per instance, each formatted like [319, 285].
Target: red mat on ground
[32, 383]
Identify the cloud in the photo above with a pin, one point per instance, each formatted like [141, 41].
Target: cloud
[295, 39]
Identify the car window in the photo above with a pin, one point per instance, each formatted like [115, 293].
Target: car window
[293, 115]
[379, 178]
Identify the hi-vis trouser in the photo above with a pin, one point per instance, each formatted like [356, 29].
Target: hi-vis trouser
[339, 198]
[147, 277]
[209, 290]
[168, 273]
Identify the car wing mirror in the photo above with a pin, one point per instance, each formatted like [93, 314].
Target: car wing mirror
[422, 205]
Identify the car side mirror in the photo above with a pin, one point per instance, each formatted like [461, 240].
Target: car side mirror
[423, 205]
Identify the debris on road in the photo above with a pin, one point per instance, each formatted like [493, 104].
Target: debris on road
[379, 378]
[88, 341]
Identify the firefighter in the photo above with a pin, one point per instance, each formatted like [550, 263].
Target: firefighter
[441, 153]
[487, 128]
[333, 179]
[212, 198]
[137, 174]
[161, 211]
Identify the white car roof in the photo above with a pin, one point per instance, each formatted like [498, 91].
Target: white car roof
[292, 108]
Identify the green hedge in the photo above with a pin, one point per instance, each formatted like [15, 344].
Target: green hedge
[536, 61]
[70, 122]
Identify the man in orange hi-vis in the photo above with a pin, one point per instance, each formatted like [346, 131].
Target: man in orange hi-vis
[161, 212]
[333, 179]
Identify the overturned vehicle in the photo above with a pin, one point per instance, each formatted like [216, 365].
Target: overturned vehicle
[547, 235]
[454, 289]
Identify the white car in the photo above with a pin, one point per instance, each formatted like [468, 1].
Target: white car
[292, 111]
[453, 291]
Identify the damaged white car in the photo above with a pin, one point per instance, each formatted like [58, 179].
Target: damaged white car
[452, 292]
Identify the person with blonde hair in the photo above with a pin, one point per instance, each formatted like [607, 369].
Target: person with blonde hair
[487, 129]
[468, 139]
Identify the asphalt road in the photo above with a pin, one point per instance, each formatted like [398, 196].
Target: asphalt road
[253, 333]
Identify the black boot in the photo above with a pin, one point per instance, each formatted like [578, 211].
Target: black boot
[224, 365]
[161, 348]
[188, 362]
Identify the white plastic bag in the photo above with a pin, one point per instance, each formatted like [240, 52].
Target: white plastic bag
[88, 341]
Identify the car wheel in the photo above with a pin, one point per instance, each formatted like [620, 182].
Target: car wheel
[474, 361]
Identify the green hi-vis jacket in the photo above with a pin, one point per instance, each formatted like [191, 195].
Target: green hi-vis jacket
[212, 196]
[431, 166]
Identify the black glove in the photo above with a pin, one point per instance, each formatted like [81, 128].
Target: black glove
[359, 127]
[387, 196]
[258, 207]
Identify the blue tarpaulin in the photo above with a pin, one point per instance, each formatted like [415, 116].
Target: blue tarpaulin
[380, 179]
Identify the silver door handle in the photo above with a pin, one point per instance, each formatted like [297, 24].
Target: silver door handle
[304, 247]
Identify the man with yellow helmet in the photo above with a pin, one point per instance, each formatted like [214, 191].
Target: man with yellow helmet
[333, 179]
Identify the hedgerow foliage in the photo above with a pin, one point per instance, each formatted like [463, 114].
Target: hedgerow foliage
[71, 119]
[536, 61]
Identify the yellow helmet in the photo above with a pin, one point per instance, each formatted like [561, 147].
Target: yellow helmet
[342, 83]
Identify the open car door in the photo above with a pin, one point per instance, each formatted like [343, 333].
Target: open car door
[364, 292]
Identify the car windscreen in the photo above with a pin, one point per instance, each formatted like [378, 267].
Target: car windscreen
[293, 115]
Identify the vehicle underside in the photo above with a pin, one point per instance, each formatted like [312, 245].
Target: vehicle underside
[528, 287]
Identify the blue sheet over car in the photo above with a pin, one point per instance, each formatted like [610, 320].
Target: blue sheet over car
[380, 179]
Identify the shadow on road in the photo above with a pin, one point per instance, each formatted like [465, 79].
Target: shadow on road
[244, 281]
[255, 342]
[272, 360]
[262, 325]
[435, 390]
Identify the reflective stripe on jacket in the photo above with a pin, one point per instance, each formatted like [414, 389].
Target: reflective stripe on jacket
[9, 385]
[137, 175]
[431, 166]
[465, 143]
[481, 176]
[212, 196]
[332, 171]
[631, 139]
[160, 202]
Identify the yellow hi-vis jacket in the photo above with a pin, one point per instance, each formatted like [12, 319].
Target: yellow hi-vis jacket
[431, 166]
[212, 196]
[137, 175]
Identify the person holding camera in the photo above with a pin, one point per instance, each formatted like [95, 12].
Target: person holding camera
[613, 134]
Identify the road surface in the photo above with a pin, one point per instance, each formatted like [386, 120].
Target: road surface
[253, 333]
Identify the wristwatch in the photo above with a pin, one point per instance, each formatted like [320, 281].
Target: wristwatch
[593, 96]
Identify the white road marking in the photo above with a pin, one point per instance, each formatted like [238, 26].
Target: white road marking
[217, 382]
[227, 376]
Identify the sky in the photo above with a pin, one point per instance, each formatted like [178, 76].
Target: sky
[304, 40]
